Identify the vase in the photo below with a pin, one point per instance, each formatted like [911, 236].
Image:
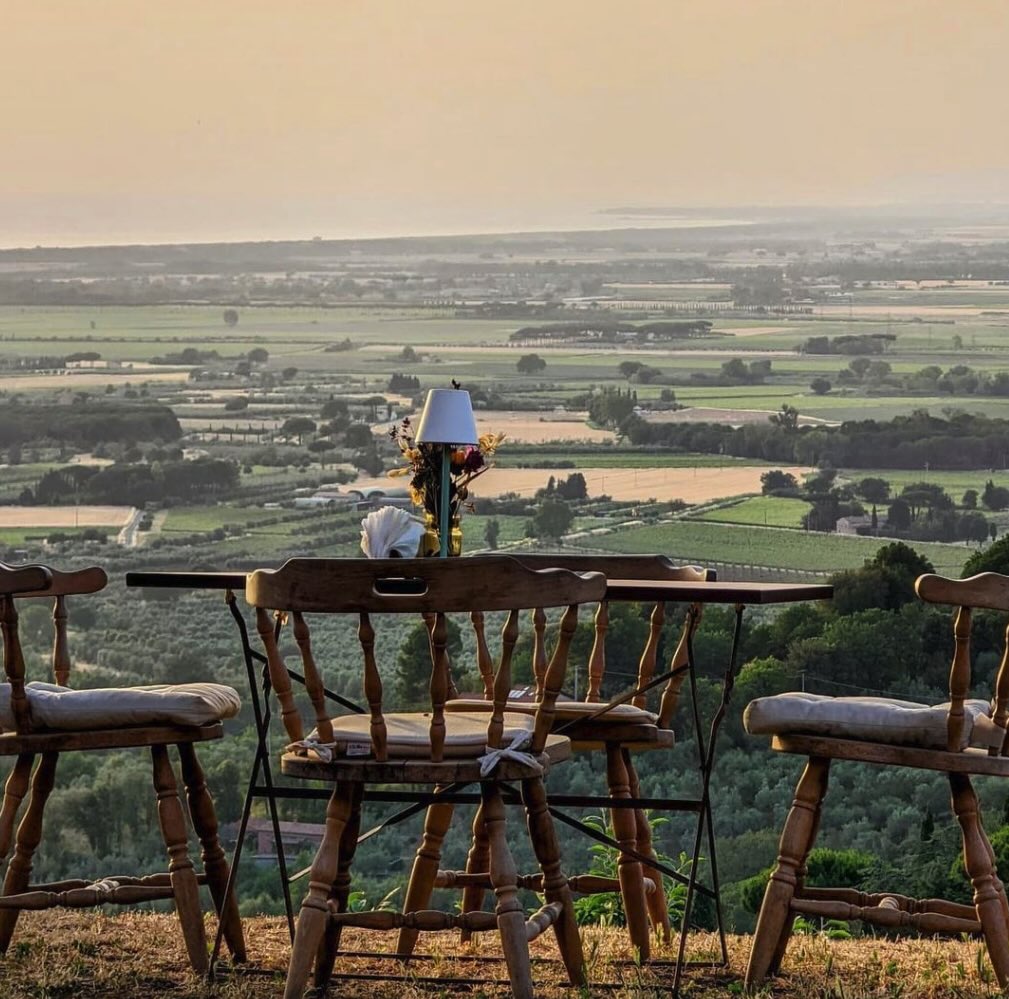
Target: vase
[429, 542]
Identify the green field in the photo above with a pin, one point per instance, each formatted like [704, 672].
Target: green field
[760, 511]
[694, 541]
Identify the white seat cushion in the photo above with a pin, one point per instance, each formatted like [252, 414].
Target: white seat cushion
[873, 719]
[60, 709]
[408, 734]
[566, 711]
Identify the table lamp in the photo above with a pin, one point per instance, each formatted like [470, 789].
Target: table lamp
[447, 420]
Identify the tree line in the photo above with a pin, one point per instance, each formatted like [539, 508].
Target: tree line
[961, 441]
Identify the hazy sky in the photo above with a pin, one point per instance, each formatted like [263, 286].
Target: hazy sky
[169, 120]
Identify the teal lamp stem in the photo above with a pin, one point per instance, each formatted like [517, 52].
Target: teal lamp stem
[443, 502]
[447, 421]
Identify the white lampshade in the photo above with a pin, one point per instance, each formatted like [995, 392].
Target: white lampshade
[447, 418]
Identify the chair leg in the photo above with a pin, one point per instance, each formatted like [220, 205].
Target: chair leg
[215, 864]
[775, 919]
[14, 791]
[555, 884]
[425, 868]
[511, 920]
[800, 881]
[477, 862]
[655, 902]
[629, 873]
[180, 867]
[989, 895]
[314, 909]
[340, 892]
[29, 835]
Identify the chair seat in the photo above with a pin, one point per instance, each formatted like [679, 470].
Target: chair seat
[409, 749]
[565, 711]
[408, 734]
[59, 709]
[881, 720]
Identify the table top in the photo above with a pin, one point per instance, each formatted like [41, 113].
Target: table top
[719, 592]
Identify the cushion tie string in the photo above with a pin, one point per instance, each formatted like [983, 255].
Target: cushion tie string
[324, 750]
[520, 741]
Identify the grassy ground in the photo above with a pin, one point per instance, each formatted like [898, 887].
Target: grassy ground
[135, 956]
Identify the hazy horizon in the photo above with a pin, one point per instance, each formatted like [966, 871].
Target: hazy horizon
[229, 122]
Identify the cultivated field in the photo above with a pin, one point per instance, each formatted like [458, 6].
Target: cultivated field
[64, 516]
[692, 485]
[779, 548]
[533, 428]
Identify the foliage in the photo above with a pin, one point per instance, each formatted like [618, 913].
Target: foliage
[552, 520]
[530, 364]
[607, 908]
[86, 426]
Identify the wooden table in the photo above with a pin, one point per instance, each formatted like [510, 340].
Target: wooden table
[740, 595]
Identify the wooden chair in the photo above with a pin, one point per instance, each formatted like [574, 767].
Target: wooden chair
[42, 720]
[961, 738]
[619, 732]
[432, 748]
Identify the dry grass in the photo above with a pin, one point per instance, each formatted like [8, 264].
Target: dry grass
[139, 955]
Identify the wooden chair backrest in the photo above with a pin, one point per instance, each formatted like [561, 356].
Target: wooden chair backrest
[57, 585]
[986, 591]
[650, 567]
[430, 588]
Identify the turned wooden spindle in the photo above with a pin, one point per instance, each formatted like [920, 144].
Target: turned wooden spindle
[597, 657]
[989, 896]
[959, 680]
[539, 616]
[629, 872]
[29, 835]
[279, 678]
[484, 661]
[796, 841]
[215, 863]
[477, 863]
[511, 921]
[373, 689]
[1001, 713]
[553, 678]
[554, 885]
[339, 893]
[315, 910]
[14, 791]
[439, 686]
[14, 666]
[655, 900]
[679, 666]
[650, 653]
[182, 875]
[61, 650]
[425, 868]
[313, 679]
[801, 872]
[503, 680]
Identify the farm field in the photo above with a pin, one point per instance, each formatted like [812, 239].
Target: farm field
[761, 511]
[955, 483]
[695, 541]
[696, 485]
[63, 516]
[544, 428]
